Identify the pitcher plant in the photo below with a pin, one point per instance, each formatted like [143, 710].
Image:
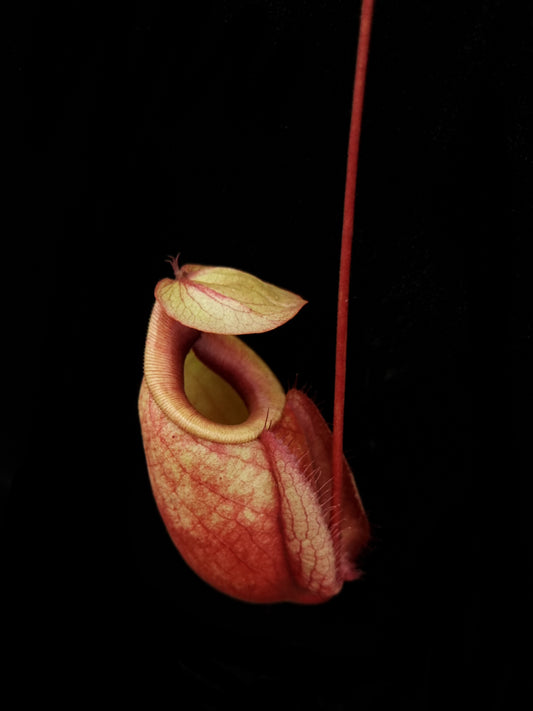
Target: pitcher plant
[250, 482]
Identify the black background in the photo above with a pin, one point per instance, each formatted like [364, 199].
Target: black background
[220, 131]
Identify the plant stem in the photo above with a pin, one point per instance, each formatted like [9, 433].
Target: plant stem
[346, 253]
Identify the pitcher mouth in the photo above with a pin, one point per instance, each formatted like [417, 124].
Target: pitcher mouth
[169, 344]
[211, 395]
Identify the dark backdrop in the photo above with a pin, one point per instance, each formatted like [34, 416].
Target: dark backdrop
[220, 132]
